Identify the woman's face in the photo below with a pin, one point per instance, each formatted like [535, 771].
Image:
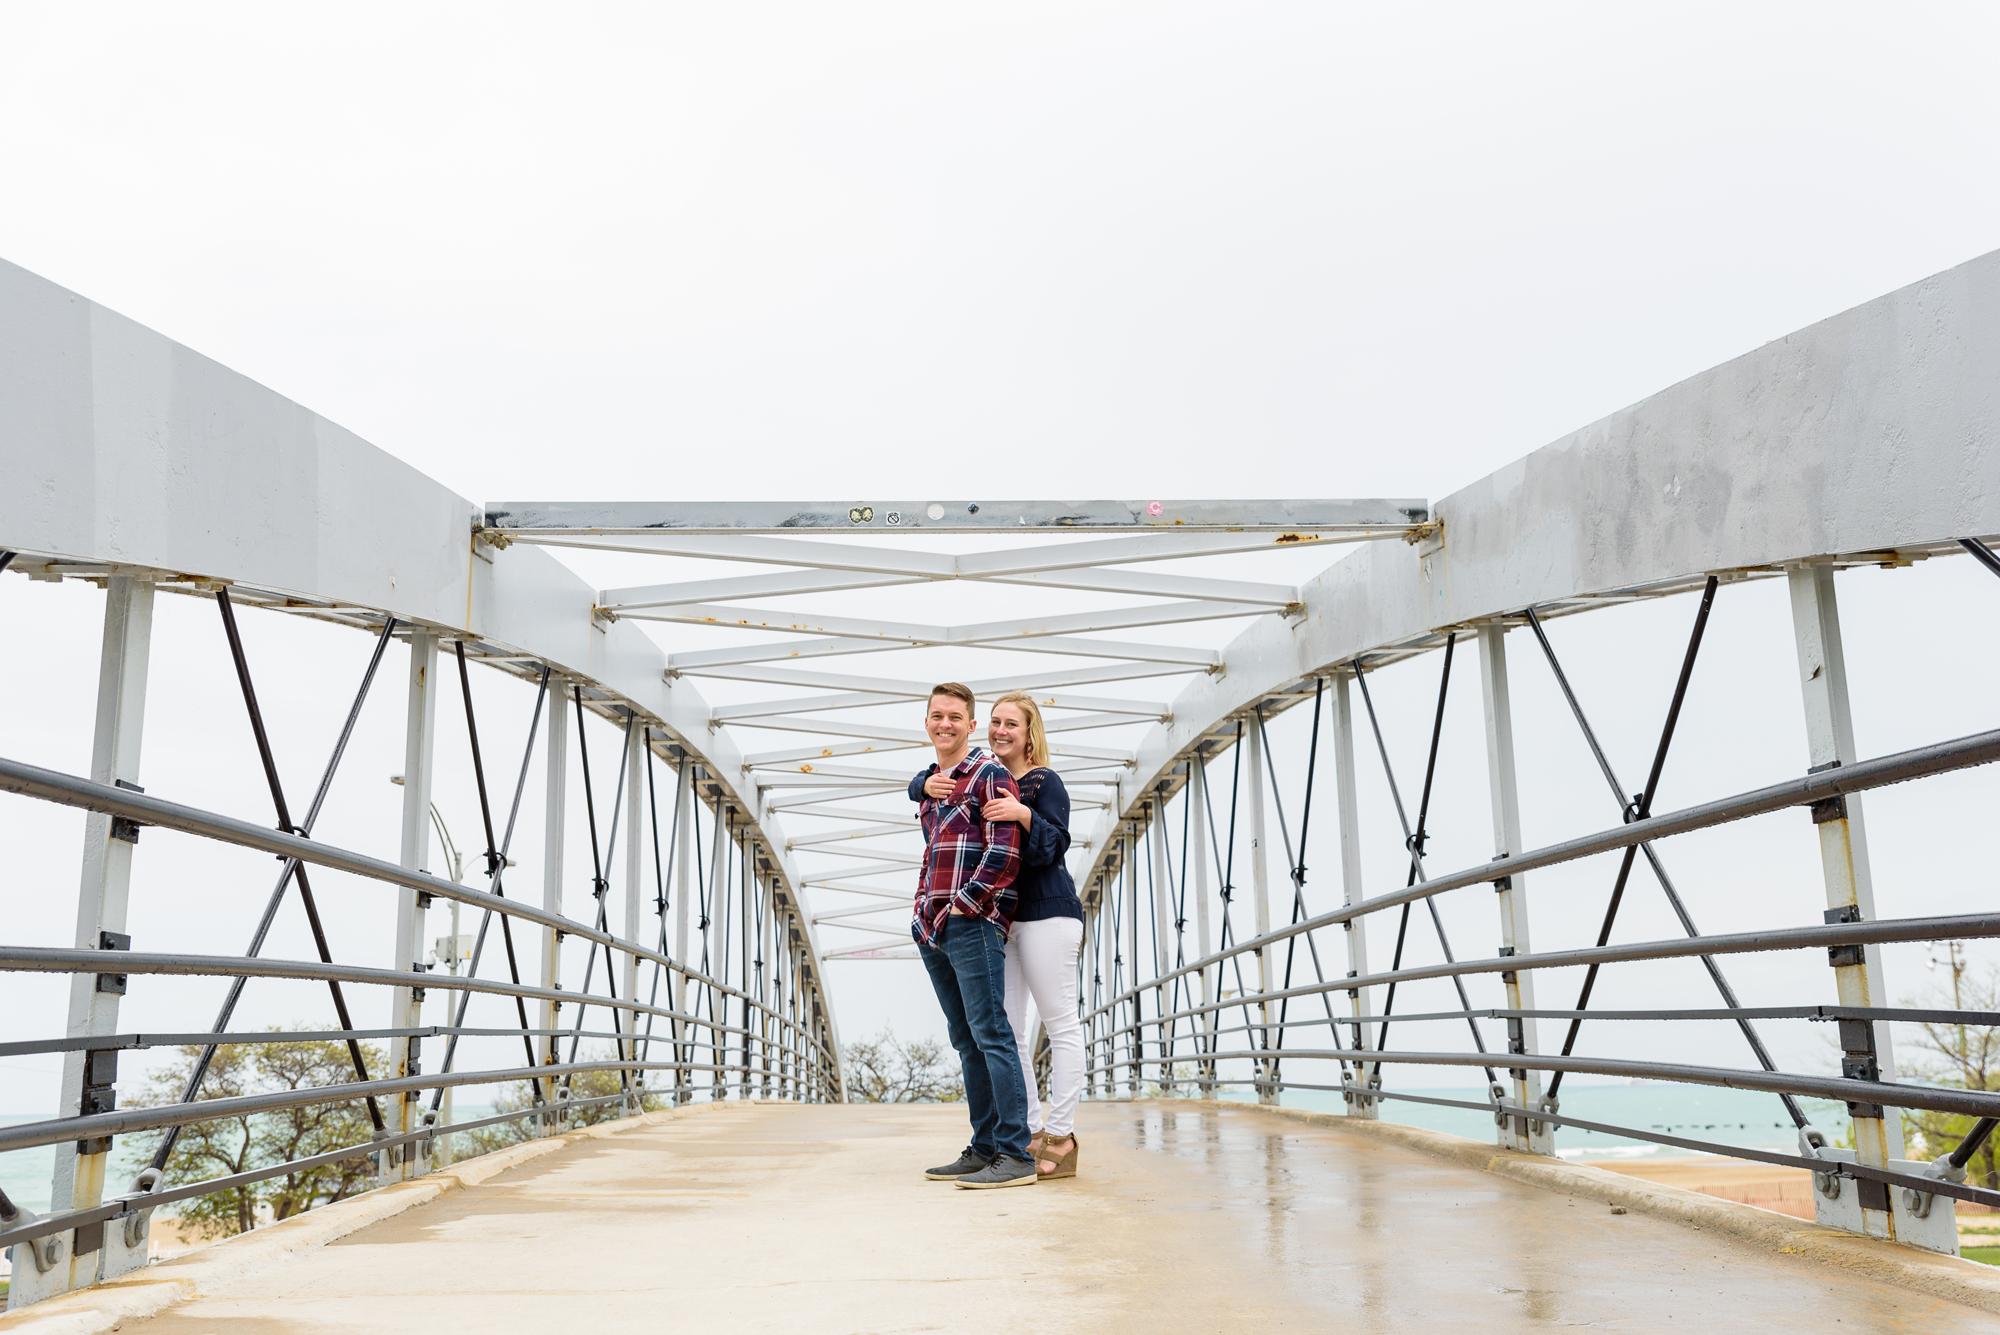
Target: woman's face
[1007, 733]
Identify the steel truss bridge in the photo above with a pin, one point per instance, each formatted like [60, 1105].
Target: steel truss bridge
[678, 937]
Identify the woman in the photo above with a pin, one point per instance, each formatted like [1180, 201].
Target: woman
[1047, 934]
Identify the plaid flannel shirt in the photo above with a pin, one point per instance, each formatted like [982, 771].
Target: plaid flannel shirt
[968, 865]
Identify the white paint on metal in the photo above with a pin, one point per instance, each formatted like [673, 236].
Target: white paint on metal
[405, 1111]
[1843, 844]
[1360, 999]
[102, 897]
[555, 818]
[1503, 796]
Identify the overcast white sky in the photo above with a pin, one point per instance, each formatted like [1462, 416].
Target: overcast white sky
[1033, 250]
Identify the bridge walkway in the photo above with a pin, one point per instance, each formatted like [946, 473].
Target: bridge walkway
[785, 1218]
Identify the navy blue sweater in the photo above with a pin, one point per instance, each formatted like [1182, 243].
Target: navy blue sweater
[1044, 886]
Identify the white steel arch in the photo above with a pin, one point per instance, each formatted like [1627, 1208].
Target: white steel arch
[1870, 437]
[125, 453]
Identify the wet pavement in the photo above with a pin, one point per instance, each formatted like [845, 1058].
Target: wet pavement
[817, 1219]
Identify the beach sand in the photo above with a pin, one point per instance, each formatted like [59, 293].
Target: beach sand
[1785, 1190]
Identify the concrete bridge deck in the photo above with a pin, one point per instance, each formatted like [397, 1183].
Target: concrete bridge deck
[785, 1218]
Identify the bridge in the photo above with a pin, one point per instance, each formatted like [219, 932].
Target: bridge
[603, 1031]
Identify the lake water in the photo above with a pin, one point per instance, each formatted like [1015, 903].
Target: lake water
[1725, 1116]
[24, 1174]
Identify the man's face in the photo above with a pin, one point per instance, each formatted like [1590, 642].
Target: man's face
[949, 724]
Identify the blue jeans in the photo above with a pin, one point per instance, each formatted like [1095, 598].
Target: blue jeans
[969, 970]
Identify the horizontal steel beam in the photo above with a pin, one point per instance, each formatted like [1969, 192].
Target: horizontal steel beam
[941, 516]
[903, 932]
[842, 887]
[883, 867]
[805, 807]
[1152, 584]
[880, 856]
[747, 586]
[784, 621]
[814, 841]
[838, 914]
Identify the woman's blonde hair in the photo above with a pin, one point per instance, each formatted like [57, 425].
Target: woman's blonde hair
[1038, 739]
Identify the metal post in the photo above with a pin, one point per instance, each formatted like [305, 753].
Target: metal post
[1134, 1052]
[1197, 793]
[555, 818]
[638, 757]
[718, 1005]
[748, 883]
[1360, 999]
[1087, 970]
[765, 963]
[88, 1078]
[1850, 891]
[1520, 1133]
[406, 1003]
[1163, 925]
[1260, 886]
[683, 880]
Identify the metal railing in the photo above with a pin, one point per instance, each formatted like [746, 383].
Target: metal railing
[1166, 1020]
[729, 1009]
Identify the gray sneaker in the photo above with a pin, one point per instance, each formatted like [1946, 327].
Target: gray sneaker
[1005, 1171]
[968, 1161]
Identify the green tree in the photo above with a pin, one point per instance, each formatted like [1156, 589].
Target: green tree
[230, 1145]
[887, 1069]
[205, 1150]
[302, 1133]
[1956, 1056]
[583, 1085]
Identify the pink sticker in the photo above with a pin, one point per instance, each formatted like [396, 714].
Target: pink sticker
[1156, 509]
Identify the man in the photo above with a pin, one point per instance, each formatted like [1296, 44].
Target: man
[965, 902]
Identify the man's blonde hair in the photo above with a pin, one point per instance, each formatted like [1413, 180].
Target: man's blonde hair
[1038, 738]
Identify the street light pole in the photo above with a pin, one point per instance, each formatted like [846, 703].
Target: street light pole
[452, 954]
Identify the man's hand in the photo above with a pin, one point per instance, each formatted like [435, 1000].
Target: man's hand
[1005, 807]
[939, 784]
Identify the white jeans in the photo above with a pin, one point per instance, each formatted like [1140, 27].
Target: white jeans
[1041, 961]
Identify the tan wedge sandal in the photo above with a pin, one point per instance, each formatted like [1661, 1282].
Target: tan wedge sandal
[1064, 1167]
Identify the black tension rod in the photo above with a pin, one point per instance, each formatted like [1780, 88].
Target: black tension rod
[478, 765]
[1980, 553]
[660, 877]
[1980, 1130]
[165, 1149]
[496, 870]
[1221, 875]
[1296, 861]
[1226, 869]
[285, 824]
[1414, 841]
[600, 886]
[1659, 869]
[1641, 808]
